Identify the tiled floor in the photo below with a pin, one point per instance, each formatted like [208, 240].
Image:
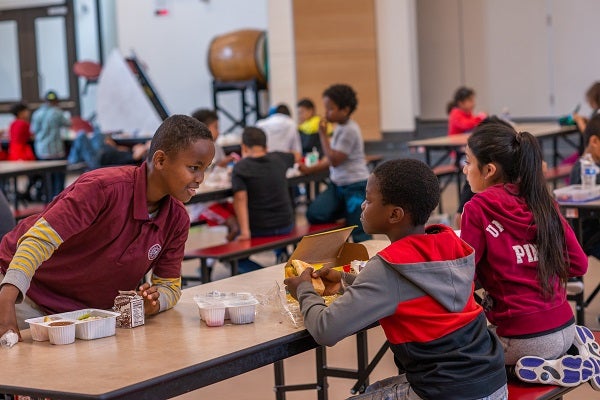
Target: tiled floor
[258, 384]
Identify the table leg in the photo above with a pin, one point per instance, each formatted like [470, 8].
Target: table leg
[321, 357]
[204, 270]
[279, 380]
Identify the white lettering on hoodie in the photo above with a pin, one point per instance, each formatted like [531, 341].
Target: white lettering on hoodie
[527, 249]
[495, 228]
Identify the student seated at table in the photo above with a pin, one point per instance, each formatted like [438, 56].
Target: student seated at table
[107, 230]
[281, 131]
[19, 133]
[97, 149]
[592, 96]
[217, 212]
[591, 226]
[46, 123]
[419, 288]
[460, 112]
[261, 197]
[345, 158]
[525, 252]
[308, 126]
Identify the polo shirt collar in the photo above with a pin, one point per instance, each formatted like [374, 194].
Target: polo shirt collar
[140, 205]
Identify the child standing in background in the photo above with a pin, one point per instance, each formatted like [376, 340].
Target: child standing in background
[345, 158]
[20, 135]
[460, 112]
[525, 251]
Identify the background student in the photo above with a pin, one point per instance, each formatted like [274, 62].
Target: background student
[460, 112]
[217, 212]
[281, 131]
[19, 133]
[345, 158]
[419, 288]
[525, 251]
[592, 97]
[308, 126]
[590, 226]
[261, 197]
[108, 229]
[47, 123]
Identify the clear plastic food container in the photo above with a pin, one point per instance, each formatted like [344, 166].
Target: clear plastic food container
[239, 307]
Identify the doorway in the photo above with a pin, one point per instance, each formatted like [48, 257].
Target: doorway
[37, 51]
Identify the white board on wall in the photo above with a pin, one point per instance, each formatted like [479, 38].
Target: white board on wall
[122, 104]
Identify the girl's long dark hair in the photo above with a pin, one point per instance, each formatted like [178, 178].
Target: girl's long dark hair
[519, 157]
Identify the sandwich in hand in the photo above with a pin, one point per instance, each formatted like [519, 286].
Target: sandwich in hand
[299, 267]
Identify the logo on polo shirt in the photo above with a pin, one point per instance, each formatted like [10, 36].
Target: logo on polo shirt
[154, 252]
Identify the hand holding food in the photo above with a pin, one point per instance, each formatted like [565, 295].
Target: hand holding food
[331, 278]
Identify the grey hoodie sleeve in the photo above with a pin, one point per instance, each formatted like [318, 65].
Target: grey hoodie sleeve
[373, 295]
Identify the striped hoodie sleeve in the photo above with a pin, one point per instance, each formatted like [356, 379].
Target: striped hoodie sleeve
[33, 248]
[169, 289]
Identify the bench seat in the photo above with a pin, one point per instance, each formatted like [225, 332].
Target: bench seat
[236, 250]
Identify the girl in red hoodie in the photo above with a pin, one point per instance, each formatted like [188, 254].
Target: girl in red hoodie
[525, 252]
[19, 147]
[460, 112]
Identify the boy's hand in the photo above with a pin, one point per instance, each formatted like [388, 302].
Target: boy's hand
[8, 315]
[291, 284]
[150, 295]
[331, 278]
[323, 126]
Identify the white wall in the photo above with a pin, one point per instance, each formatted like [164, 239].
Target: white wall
[534, 57]
[282, 58]
[397, 64]
[175, 47]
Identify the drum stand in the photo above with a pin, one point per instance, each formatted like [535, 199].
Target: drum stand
[247, 108]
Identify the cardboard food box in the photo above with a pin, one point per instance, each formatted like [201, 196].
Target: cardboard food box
[329, 248]
[131, 307]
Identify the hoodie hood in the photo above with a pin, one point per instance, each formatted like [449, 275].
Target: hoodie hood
[437, 262]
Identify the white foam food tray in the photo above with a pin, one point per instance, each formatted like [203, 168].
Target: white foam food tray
[102, 324]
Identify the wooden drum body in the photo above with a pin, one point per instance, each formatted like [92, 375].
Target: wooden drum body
[239, 56]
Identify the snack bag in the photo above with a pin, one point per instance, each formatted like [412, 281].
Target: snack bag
[131, 307]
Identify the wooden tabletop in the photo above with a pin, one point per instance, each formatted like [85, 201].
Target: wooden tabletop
[539, 130]
[173, 353]
[14, 168]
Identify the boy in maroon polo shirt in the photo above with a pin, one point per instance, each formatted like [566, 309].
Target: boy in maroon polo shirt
[108, 229]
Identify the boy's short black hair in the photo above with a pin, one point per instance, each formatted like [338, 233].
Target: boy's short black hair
[342, 95]
[205, 115]
[306, 103]
[253, 136]
[409, 184]
[17, 108]
[177, 133]
[283, 109]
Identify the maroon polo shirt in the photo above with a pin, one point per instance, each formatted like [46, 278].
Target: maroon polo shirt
[109, 240]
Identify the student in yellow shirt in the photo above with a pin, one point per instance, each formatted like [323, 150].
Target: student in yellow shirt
[308, 126]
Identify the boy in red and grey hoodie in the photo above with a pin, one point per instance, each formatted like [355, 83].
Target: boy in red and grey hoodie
[419, 288]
